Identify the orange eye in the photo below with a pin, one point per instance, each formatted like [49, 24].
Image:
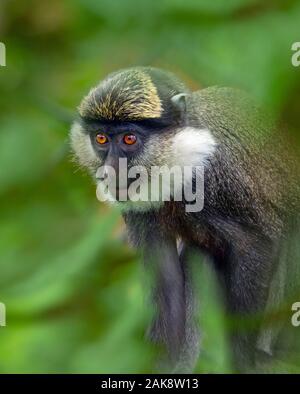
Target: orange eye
[101, 139]
[129, 139]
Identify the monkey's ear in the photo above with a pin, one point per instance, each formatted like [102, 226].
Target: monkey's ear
[179, 100]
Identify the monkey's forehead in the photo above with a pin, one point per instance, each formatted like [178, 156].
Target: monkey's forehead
[124, 96]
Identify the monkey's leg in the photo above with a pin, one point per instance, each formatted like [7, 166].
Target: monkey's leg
[168, 280]
[191, 348]
[247, 279]
[168, 297]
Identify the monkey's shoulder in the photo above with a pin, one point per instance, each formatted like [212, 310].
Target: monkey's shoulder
[228, 110]
[222, 97]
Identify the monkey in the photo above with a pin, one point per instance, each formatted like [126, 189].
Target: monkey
[251, 197]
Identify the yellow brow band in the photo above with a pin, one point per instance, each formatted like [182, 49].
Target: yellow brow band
[140, 102]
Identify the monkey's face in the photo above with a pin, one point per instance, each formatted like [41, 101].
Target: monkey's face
[111, 150]
[121, 119]
[131, 120]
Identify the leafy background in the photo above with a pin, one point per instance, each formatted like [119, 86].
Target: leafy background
[72, 288]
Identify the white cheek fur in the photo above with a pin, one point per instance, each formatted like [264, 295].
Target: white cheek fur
[82, 146]
[189, 147]
[192, 146]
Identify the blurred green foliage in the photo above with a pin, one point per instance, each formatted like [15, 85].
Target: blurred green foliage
[72, 289]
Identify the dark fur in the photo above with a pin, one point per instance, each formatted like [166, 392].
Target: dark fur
[251, 196]
[251, 199]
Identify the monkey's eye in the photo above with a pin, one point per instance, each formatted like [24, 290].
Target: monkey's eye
[129, 139]
[101, 139]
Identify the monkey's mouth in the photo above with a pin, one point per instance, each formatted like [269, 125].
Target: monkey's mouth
[121, 192]
[117, 192]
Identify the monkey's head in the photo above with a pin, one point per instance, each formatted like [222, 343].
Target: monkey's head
[136, 114]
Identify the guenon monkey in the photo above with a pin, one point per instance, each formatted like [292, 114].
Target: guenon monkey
[251, 193]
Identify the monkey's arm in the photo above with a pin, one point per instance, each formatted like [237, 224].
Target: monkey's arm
[161, 259]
